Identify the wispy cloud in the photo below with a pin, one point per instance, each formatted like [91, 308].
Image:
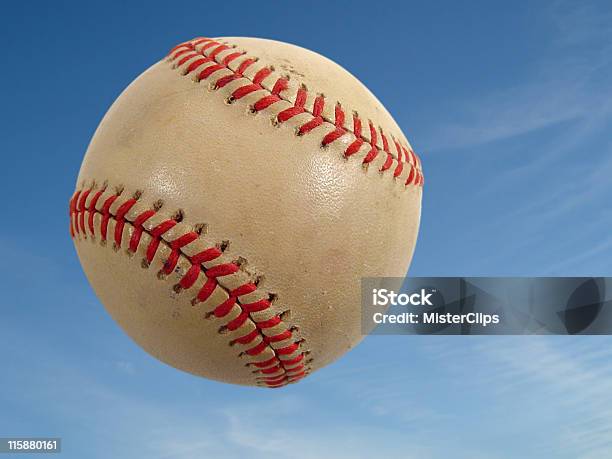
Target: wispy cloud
[550, 209]
[284, 427]
[571, 378]
[510, 112]
[562, 86]
[557, 386]
[125, 367]
[541, 152]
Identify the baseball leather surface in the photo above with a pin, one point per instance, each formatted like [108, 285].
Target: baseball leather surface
[232, 199]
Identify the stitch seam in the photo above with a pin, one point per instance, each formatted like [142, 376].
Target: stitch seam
[256, 329]
[207, 56]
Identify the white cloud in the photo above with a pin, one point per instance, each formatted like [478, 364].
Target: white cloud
[559, 385]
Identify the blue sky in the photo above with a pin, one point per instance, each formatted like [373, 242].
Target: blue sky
[509, 105]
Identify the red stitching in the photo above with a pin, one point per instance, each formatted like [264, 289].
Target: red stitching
[298, 107]
[209, 71]
[209, 45]
[81, 205]
[300, 368]
[280, 85]
[282, 369]
[273, 322]
[92, 205]
[230, 57]
[211, 51]
[206, 255]
[222, 270]
[191, 277]
[339, 123]
[244, 289]
[195, 64]
[373, 153]
[238, 322]
[260, 305]
[258, 349]
[385, 142]
[224, 308]
[273, 380]
[261, 75]
[280, 337]
[358, 142]
[288, 350]
[266, 363]
[106, 215]
[218, 49]
[206, 289]
[271, 370]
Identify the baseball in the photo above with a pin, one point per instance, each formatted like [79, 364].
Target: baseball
[231, 201]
